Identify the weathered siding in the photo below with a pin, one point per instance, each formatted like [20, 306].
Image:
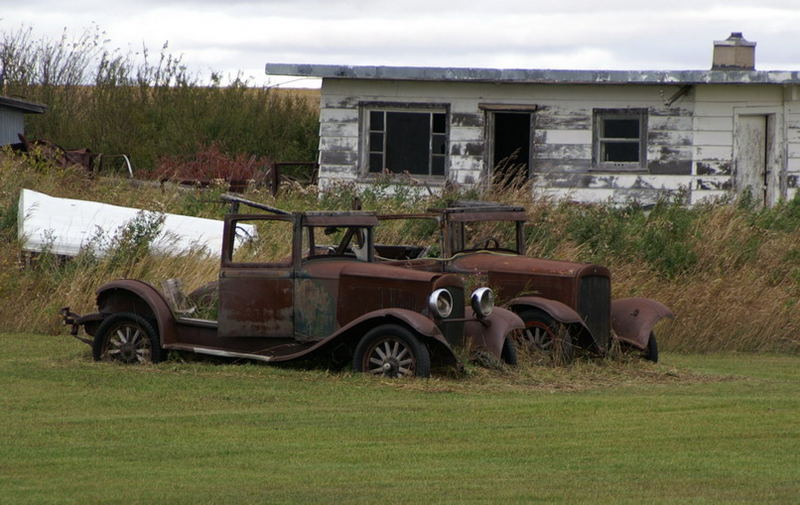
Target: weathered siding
[689, 142]
[11, 124]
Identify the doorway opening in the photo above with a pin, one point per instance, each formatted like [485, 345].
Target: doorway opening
[511, 144]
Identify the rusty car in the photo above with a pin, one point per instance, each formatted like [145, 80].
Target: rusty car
[276, 302]
[565, 306]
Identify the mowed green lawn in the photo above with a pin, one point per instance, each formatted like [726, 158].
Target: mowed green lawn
[693, 429]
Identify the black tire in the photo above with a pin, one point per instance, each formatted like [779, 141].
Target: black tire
[127, 338]
[651, 352]
[544, 334]
[509, 352]
[391, 350]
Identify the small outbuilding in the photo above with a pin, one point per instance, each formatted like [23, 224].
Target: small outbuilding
[12, 118]
[589, 135]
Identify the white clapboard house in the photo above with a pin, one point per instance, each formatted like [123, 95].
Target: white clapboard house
[583, 134]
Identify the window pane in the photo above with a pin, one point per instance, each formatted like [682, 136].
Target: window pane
[621, 128]
[408, 139]
[376, 142]
[620, 151]
[376, 120]
[437, 165]
[376, 163]
[439, 123]
[263, 241]
[438, 144]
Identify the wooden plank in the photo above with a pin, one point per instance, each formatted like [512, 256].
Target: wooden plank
[577, 121]
[740, 93]
[564, 151]
[713, 183]
[466, 134]
[559, 165]
[471, 163]
[708, 123]
[713, 138]
[338, 115]
[698, 196]
[716, 153]
[658, 138]
[615, 181]
[673, 123]
[334, 129]
[339, 144]
[564, 136]
[793, 164]
[714, 167]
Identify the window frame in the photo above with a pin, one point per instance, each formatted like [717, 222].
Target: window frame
[366, 108]
[598, 140]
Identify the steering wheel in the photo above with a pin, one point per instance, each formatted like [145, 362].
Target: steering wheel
[487, 244]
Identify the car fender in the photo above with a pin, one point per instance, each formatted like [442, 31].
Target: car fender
[138, 297]
[422, 325]
[559, 311]
[632, 319]
[490, 333]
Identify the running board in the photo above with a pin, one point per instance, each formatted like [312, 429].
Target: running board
[218, 352]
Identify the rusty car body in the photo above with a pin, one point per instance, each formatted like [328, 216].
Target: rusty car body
[565, 305]
[327, 300]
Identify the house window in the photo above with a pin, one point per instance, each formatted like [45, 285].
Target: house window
[410, 141]
[620, 138]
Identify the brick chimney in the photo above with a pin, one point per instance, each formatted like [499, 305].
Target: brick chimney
[734, 53]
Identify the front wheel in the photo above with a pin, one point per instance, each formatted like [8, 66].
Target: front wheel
[393, 351]
[126, 338]
[544, 334]
[651, 352]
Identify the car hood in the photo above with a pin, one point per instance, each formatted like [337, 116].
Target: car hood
[489, 262]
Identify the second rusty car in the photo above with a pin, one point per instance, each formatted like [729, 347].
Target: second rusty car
[281, 295]
[565, 305]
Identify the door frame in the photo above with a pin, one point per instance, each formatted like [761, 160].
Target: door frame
[489, 112]
[775, 161]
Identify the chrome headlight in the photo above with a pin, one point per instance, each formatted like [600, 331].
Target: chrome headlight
[441, 303]
[482, 301]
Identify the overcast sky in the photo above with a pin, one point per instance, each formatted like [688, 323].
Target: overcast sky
[239, 35]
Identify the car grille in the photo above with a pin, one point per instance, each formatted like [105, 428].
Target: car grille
[594, 306]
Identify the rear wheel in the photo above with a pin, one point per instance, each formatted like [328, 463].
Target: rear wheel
[544, 334]
[393, 351]
[126, 338]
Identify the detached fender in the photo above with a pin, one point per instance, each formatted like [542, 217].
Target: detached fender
[129, 295]
[633, 319]
[490, 334]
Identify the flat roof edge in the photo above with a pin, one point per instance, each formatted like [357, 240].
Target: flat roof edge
[23, 105]
[535, 76]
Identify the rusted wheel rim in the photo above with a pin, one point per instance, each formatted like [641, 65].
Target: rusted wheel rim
[127, 343]
[538, 335]
[390, 357]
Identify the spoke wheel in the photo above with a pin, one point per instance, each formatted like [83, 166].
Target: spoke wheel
[126, 338]
[544, 334]
[391, 351]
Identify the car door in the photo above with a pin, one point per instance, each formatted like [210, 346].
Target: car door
[256, 277]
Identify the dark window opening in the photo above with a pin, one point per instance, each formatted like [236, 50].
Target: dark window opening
[620, 137]
[413, 142]
[512, 141]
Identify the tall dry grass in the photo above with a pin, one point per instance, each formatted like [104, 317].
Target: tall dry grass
[729, 271]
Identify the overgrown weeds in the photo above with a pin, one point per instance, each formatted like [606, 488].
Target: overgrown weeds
[147, 106]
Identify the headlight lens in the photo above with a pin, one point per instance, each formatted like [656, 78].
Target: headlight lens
[482, 301]
[441, 303]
